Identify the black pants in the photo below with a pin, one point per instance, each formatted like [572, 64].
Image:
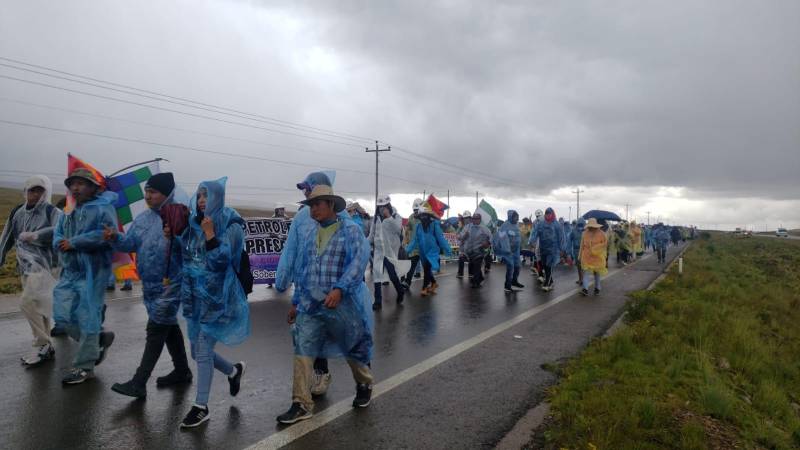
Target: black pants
[157, 336]
[488, 260]
[389, 267]
[476, 269]
[410, 274]
[462, 260]
[321, 365]
[428, 273]
[548, 275]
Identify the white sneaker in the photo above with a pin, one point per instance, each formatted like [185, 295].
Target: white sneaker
[320, 383]
[43, 353]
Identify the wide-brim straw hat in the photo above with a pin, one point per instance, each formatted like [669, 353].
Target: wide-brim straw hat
[592, 223]
[323, 192]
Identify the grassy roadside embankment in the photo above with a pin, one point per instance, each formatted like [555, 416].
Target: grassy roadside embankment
[710, 359]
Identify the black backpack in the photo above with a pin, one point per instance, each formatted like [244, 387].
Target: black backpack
[244, 274]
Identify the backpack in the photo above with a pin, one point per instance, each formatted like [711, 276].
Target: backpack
[244, 274]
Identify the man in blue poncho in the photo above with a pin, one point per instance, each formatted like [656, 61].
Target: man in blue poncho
[474, 242]
[549, 235]
[507, 243]
[331, 317]
[429, 241]
[86, 260]
[289, 264]
[160, 271]
[213, 300]
[575, 247]
[661, 240]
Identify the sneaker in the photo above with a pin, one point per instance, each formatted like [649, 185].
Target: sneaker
[400, 297]
[541, 280]
[363, 395]
[578, 282]
[584, 292]
[44, 353]
[518, 285]
[235, 381]
[377, 306]
[320, 381]
[58, 331]
[597, 292]
[547, 288]
[417, 275]
[106, 339]
[195, 417]
[507, 289]
[77, 376]
[385, 283]
[131, 389]
[126, 287]
[174, 377]
[295, 413]
[460, 275]
[424, 292]
[111, 288]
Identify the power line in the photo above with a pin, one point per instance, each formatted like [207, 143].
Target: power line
[201, 116]
[188, 102]
[201, 150]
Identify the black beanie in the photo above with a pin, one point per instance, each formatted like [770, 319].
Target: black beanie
[162, 182]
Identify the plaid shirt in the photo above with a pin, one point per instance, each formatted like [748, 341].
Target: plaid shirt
[341, 265]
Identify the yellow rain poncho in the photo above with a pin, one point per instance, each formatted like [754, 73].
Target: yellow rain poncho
[594, 250]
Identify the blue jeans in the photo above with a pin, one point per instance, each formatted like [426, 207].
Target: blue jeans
[207, 361]
[88, 348]
[586, 275]
[512, 273]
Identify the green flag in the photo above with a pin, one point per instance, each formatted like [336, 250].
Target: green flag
[488, 214]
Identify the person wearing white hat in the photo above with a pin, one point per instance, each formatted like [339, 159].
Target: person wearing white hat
[593, 255]
[429, 240]
[408, 233]
[29, 230]
[464, 222]
[385, 234]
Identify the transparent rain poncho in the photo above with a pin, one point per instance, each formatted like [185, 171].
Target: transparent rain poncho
[550, 239]
[507, 244]
[145, 237]
[30, 232]
[344, 331]
[430, 243]
[79, 295]
[212, 297]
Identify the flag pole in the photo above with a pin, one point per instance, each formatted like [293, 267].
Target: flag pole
[135, 165]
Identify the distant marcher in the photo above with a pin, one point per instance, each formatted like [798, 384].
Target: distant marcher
[593, 255]
[548, 235]
[408, 233]
[29, 230]
[507, 245]
[474, 242]
[430, 242]
[385, 237]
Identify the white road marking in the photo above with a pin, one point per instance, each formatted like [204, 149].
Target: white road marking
[298, 430]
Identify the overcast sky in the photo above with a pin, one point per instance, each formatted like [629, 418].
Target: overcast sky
[689, 110]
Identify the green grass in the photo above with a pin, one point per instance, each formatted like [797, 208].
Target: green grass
[710, 359]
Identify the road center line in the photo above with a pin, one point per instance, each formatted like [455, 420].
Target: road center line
[298, 430]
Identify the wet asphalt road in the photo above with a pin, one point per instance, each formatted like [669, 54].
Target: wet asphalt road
[468, 401]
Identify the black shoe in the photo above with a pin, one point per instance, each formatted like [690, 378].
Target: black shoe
[597, 292]
[131, 389]
[195, 417]
[417, 275]
[508, 289]
[363, 395]
[58, 331]
[236, 381]
[460, 275]
[111, 288]
[385, 283]
[126, 287]
[106, 339]
[295, 413]
[517, 284]
[584, 292]
[174, 377]
[77, 376]
[400, 297]
[377, 306]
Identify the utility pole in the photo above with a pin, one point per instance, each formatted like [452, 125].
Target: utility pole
[377, 151]
[476, 200]
[448, 203]
[627, 205]
[578, 192]
[648, 217]
[569, 217]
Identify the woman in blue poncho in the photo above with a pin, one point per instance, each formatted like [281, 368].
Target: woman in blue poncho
[212, 298]
[429, 240]
[549, 234]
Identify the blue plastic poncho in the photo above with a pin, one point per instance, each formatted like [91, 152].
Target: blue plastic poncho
[567, 228]
[661, 236]
[346, 330]
[212, 298]
[507, 241]
[430, 243]
[146, 238]
[575, 239]
[550, 239]
[78, 296]
[289, 264]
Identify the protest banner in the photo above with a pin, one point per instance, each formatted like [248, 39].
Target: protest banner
[263, 241]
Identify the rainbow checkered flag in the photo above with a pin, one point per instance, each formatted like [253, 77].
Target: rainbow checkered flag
[129, 188]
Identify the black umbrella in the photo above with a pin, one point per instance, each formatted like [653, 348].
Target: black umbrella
[602, 215]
